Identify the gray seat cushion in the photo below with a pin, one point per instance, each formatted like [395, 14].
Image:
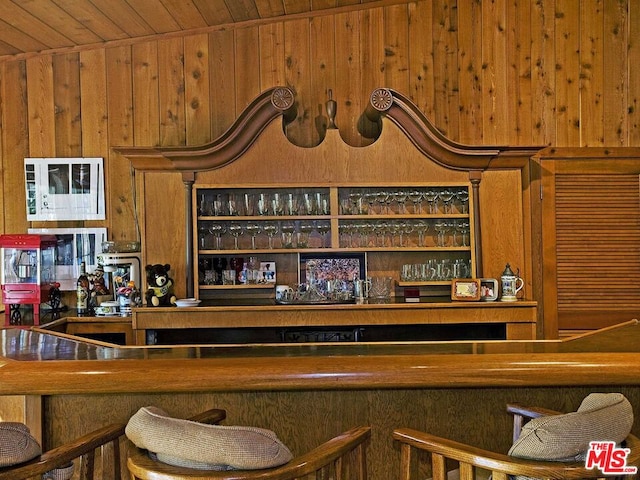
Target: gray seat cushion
[198, 445]
[601, 416]
[16, 444]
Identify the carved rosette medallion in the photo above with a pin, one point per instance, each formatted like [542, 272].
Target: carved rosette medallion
[381, 99]
[282, 98]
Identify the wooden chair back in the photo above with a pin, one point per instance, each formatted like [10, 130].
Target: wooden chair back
[341, 458]
[102, 445]
[444, 455]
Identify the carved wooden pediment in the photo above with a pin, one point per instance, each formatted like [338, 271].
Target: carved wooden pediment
[280, 102]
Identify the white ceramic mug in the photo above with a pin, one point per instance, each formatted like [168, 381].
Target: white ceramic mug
[284, 293]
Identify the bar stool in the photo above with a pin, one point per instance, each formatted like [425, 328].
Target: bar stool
[550, 434]
[56, 464]
[340, 458]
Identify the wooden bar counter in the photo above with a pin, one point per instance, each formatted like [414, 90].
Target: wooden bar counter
[517, 319]
[309, 392]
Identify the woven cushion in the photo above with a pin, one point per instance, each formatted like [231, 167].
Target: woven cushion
[601, 416]
[16, 444]
[198, 445]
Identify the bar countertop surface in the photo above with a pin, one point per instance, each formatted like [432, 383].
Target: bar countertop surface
[35, 361]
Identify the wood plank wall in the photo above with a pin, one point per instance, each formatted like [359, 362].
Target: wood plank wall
[531, 72]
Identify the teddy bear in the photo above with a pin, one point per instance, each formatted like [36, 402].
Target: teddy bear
[160, 291]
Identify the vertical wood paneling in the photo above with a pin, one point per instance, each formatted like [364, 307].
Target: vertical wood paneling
[616, 67]
[396, 47]
[93, 96]
[592, 74]
[272, 66]
[146, 101]
[494, 79]
[298, 71]
[421, 86]
[349, 72]
[15, 146]
[171, 83]
[41, 108]
[543, 72]
[373, 58]
[120, 201]
[567, 40]
[633, 88]
[445, 61]
[519, 55]
[471, 67]
[322, 54]
[66, 84]
[247, 66]
[223, 95]
[197, 92]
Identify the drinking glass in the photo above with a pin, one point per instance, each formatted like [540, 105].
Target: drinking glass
[235, 230]
[287, 230]
[305, 231]
[254, 229]
[447, 196]
[291, 204]
[415, 197]
[218, 230]
[441, 227]
[276, 204]
[422, 227]
[323, 228]
[263, 204]
[322, 204]
[463, 198]
[400, 197]
[431, 196]
[270, 229]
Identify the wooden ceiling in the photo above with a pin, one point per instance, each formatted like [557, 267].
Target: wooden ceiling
[29, 27]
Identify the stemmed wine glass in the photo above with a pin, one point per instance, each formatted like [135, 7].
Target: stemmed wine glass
[270, 229]
[463, 197]
[254, 229]
[382, 197]
[323, 228]
[422, 227]
[400, 196]
[218, 230]
[287, 230]
[447, 195]
[415, 197]
[441, 228]
[235, 230]
[305, 231]
[431, 196]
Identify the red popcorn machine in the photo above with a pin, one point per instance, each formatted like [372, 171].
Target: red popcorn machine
[27, 275]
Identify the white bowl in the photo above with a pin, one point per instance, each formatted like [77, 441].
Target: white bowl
[187, 302]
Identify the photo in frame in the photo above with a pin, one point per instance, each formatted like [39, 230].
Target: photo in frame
[74, 246]
[332, 266]
[64, 189]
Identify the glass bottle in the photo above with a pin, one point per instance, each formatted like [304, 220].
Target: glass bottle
[82, 292]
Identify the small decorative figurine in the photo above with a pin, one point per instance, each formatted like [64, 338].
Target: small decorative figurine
[160, 291]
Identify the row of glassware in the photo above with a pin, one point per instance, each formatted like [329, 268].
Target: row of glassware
[263, 234]
[404, 233]
[361, 201]
[431, 200]
[363, 233]
[436, 269]
[274, 203]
